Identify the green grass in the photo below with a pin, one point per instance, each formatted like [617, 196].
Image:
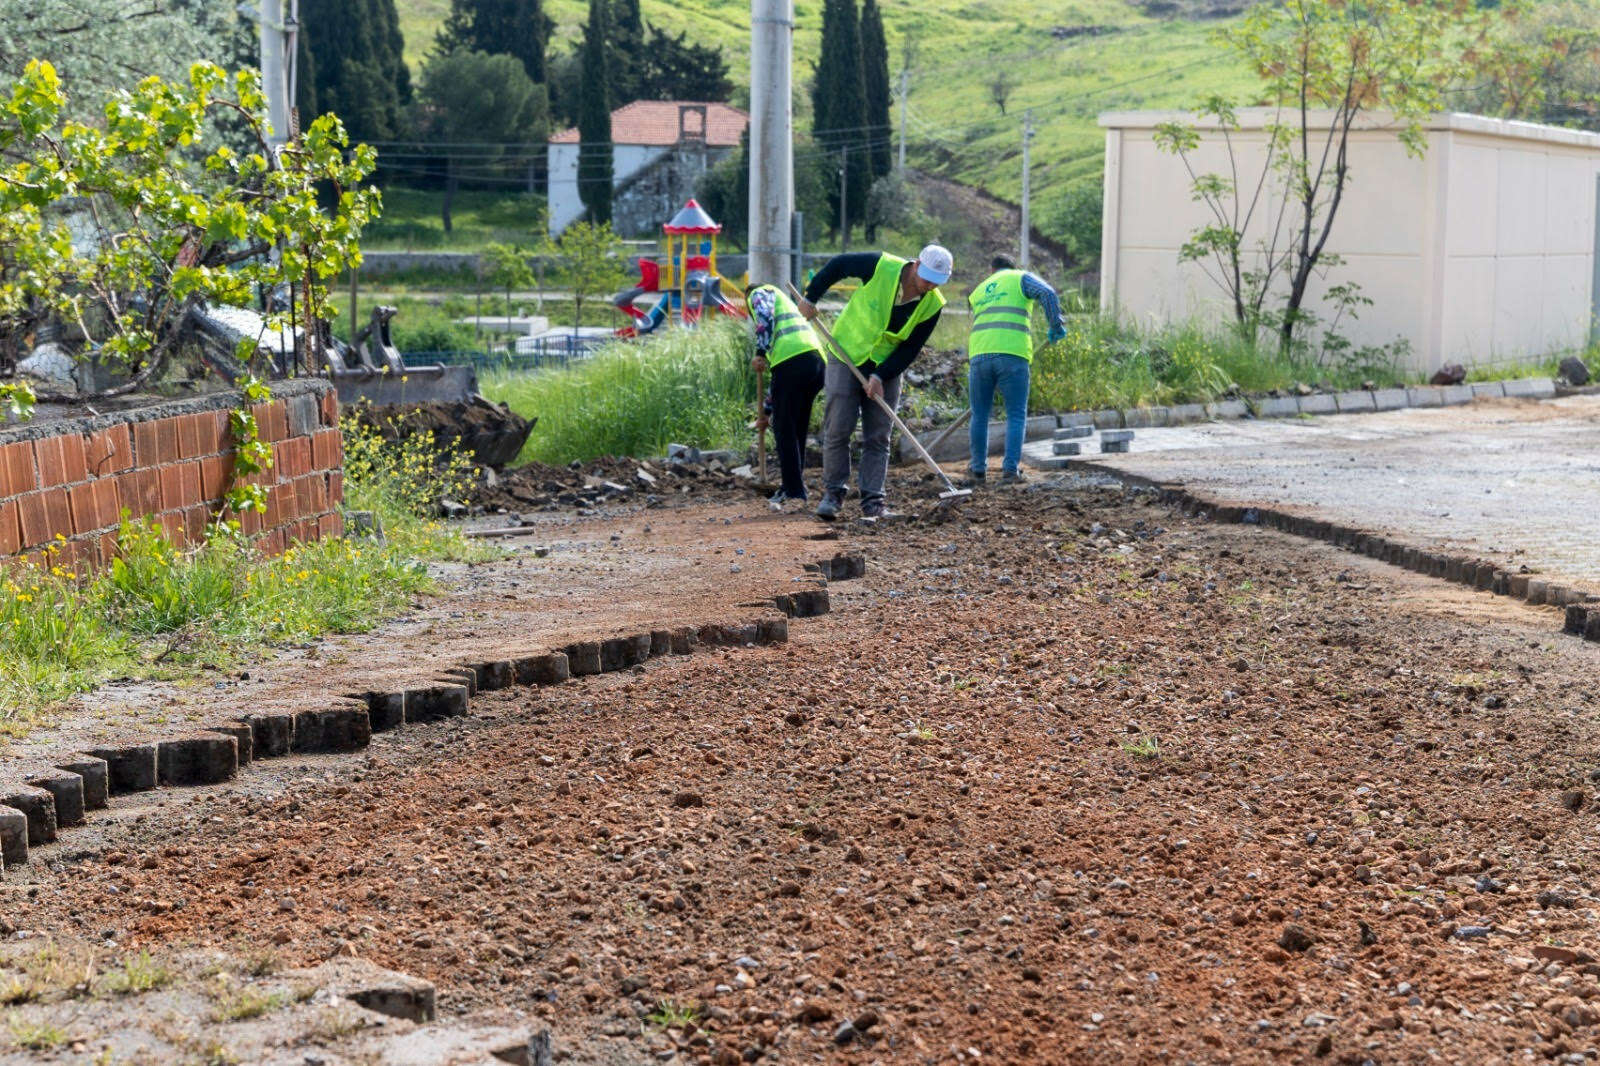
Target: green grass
[166, 612]
[411, 221]
[670, 1014]
[687, 387]
[138, 974]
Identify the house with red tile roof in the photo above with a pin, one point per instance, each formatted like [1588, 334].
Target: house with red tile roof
[660, 148]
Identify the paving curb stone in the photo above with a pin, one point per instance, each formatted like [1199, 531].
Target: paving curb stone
[1582, 610]
[32, 813]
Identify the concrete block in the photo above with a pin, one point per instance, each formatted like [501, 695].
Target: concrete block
[1502, 583]
[465, 676]
[1277, 407]
[682, 640]
[13, 836]
[1577, 618]
[808, 603]
[1450, 395]
[433, 702]
[1484, 579]
[495, 675]
[1454, 567]
[785, 603]
[96, 779]
[1318, 403]
[1561, 595]
[334, 729]
[845, 567]
[1039, 427]
[1073, 432]
[66, 789]
[396, 995]
[772, 630]
[1517, 586]
[1224, 409]
[1487, 388]
[272, 734]
[638, 649]
[385, 710]
[1146, 417]
[1075, 418]
[660, 643]
[1538, 587]
[1183, 413]
[1114, 436]
[1389, 399]
[1110, 446]
[1424, 396]
[1354, 400]
[550, 668]
[583, 657]
[1049, 462]
[243, 739]
[1530, 388]
[37, 806]
[1591, 630]
[613, 653]
[1108, 418]
[197, 759]
[1065, 447]
[129, 767]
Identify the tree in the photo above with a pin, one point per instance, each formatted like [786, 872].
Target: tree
[673, 67]
[357, 69]
[838, 108]
[1323, 65]
[516, 27]
[119, 231]
[628, 55]
[594, 117]
[485, 99]
[1000, 88]
[875, 86]
[590, 256]
[508, 269]
[1553, 47]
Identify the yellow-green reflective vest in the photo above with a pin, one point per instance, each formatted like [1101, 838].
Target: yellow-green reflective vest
[791, 333]
[863, 328]
[1000, 317]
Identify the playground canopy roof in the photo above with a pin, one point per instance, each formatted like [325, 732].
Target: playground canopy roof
[692, 218]
[657, 123]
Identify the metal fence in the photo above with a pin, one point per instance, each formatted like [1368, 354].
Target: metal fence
[538, 354]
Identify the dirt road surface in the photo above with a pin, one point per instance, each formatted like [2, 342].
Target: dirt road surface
[1071, 779]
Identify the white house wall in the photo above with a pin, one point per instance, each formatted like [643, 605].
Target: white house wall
[1481, 251]
[565, 205]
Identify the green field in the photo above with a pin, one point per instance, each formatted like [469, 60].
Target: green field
[954, 128]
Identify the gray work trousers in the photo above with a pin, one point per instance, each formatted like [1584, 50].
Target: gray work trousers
[846, 403]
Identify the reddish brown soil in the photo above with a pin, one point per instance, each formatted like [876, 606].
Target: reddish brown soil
[1037, 791]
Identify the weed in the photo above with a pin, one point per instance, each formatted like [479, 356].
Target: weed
[212, 1053]
[1145, 747]
[35, 1036]
[137, 974]
[670, 1014]
[262, 963]
[334, 1024]
[244, 1003]
[922, 732]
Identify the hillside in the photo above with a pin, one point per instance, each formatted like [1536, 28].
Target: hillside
[1070, 60]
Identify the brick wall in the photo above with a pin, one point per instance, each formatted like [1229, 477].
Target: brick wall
[173, 461]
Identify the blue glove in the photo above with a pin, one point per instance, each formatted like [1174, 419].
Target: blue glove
[1057, 333]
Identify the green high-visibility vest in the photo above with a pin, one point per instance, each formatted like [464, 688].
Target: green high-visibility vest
[863, 327]
[791, 333]
[1000, 317]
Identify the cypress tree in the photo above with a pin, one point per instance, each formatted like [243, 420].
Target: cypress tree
[875, 84]
[517, 27]
[838, 107]
[594, 117]
[627, 54]
[356, 68]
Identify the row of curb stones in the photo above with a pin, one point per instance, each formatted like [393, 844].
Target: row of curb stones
[1582, 608]
[60, 796]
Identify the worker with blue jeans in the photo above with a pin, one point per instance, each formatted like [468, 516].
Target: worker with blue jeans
[1000, 349]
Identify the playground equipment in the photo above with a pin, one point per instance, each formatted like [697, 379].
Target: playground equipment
[685, 274]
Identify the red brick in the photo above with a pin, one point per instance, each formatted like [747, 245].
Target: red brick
[271, 542]
[272, 422]
[197, 520]
[327, 449]
[172, 526]
[18, 473]
[304, 493]
[188, 427]
[213, 432]
[336, 488]
[110, 451]
[180, 485]
[155, 443]
[214, 470]
[330, 409]
[139, 492]
[42, 515]
[10, 528]
[94, 505]
[330, 525]
[249, 521]
[56, 465]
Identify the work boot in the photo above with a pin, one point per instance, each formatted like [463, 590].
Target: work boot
[828, 509]
[877, 511]
[1013, 477]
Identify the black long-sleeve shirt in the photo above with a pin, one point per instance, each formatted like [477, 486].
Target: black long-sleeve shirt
[861, 265]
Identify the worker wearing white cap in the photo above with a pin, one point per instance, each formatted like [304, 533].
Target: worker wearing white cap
[882, 329]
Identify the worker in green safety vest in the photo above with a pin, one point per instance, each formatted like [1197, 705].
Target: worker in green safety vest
[788, 347]
[1000, 353]
[882, 329]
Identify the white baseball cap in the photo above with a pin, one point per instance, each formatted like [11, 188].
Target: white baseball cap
[933, 264]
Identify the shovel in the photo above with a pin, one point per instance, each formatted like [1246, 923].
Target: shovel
[951, 492]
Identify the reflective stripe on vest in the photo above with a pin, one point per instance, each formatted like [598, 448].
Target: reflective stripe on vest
[862, 329]
[791, 333]
[1000, 317]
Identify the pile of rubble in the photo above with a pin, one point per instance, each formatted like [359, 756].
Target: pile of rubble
[587, 487]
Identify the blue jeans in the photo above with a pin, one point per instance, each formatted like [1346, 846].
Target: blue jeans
[1009, 374]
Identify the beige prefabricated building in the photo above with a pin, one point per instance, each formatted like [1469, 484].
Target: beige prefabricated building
[1480, 251]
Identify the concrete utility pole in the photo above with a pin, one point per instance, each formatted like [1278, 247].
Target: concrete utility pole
[771, 139]
[279, 27]
[905, 89]
[1027, 139]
